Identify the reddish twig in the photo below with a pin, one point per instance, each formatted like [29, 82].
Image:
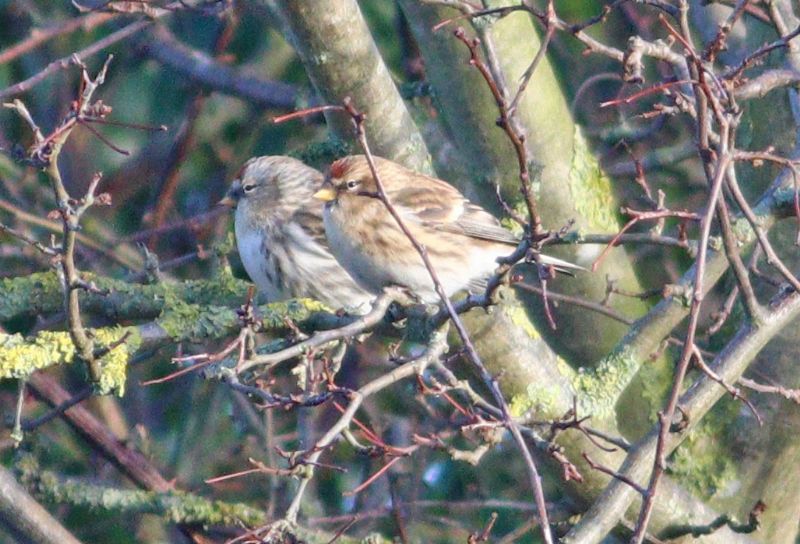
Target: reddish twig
[644, 92]
[517, 140]
[299, 114]
[41, 35]
[735, 393]
[616, 475]
[642, 216]
[666, 416]
[74, 59]
[259, 468]
[358, 489]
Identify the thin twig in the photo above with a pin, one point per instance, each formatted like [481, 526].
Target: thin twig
[74, 59]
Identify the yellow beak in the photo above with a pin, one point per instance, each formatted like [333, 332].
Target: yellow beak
[326, 194]
[227, 202]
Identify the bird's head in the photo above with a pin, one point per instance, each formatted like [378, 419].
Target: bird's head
[272, 182]
[348, 177]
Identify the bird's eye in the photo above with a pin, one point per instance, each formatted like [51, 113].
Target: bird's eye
[352, 184]
[249, 187]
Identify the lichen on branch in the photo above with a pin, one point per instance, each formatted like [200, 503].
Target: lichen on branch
[176, 506]
[19, 357]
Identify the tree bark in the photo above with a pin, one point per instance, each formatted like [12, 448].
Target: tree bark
[341, 59]
[25, 518]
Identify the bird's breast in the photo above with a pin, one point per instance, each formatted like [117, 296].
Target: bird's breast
[257, 259]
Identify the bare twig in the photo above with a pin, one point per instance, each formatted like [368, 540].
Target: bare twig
[42, 35]
[436, 347]
[74, 59]
[320, 338]
[789, 394]
[616, 475]
[665, 417]
[517, 139]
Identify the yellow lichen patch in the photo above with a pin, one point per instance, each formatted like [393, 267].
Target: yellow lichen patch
[564, 369]
[275, 313]
[512, 225]
[519, 405]
[20, 357]
[114, 364]
[520, 319]
[541, 398]
[591, 189]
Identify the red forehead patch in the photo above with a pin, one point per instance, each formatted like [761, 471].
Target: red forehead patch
[241, 170]
[338, 168]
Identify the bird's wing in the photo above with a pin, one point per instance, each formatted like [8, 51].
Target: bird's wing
[478, 223]
[441, 206]
[438, 205]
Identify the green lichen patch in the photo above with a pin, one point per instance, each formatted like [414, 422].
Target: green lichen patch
[703, 462]
[598, 389]
[274, 315]
[541, 399]
[176, 506]
[41, 293]
[223, 289]
[743, 231]
[656, 381]
[183, 321]
[38, 292]
[590, 188]
[704, 472]
[188, 508]
[192, 322]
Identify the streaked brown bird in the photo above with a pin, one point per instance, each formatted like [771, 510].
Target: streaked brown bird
[281, 238]
[462, 239]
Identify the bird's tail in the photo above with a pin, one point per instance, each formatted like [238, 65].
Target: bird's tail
[565, 267]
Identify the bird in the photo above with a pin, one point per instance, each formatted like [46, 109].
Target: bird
[281, 238]
[462, 240]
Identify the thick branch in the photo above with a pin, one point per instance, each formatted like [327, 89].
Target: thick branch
[341, 58]
[178, 506]
[40, 294]
[729, 365]
[25, 518]
[216, 76]
[20, 357]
